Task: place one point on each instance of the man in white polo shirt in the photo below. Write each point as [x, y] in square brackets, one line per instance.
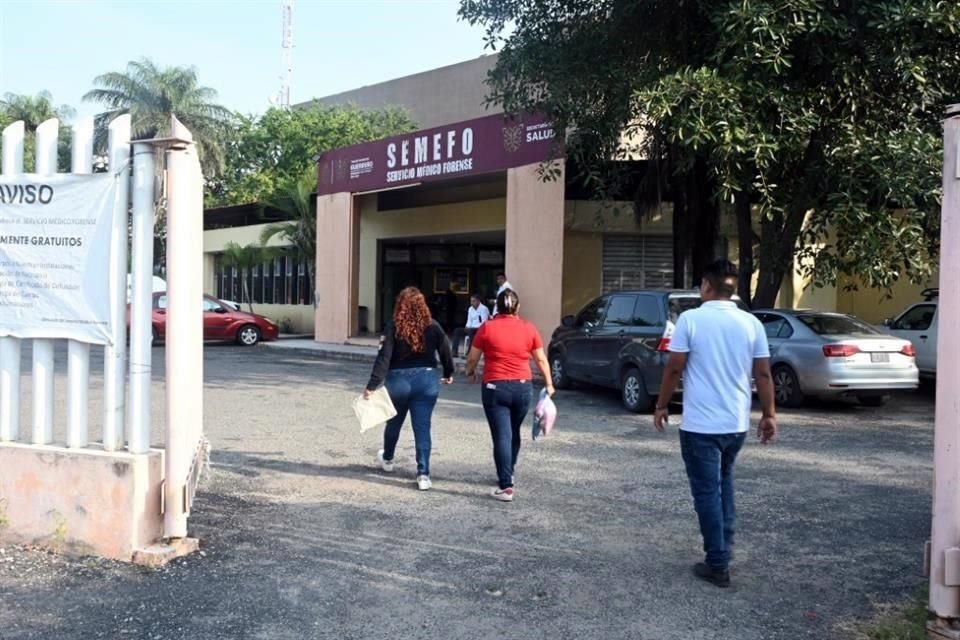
[477, 314]
[717, 349]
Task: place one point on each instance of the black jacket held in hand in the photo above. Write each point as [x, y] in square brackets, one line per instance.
[395, 353]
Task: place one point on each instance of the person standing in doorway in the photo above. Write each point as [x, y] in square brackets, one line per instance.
[717, 349]
[502, 285]
[407, 365]
[507, 343]
[477, 314]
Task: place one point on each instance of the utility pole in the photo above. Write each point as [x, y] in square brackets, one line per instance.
[944, 553]
[286, 55]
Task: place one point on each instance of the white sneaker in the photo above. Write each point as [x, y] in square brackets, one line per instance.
[423, 483]
[386, 465]
[503, 495]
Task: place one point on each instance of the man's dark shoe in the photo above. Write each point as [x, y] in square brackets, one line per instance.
[717, 577]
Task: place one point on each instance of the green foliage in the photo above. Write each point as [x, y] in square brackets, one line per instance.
[266, 154]
[152, 94]
[823, 113]
[34, 111]
[294, 198]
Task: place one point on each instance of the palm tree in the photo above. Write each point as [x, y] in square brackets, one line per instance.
[33, 110]
[151, 94]
[244, 259]
[295, 199]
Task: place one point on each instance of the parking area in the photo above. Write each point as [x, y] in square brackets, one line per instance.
[303, 538]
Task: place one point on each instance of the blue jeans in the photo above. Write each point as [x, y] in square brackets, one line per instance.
[506, 405]
[416, 391]
[709, 460]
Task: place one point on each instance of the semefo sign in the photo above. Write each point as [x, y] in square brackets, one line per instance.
[484, 145]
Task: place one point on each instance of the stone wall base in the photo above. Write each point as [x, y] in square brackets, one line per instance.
[85, 501]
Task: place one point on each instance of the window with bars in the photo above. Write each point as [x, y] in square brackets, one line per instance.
[284, 280]
[637, 262]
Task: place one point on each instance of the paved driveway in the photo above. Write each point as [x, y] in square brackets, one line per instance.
[302, 538]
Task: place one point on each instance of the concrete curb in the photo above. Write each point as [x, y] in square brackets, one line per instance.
[333, 352]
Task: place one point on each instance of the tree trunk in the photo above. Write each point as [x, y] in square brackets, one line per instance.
[778, 241]
[703, 217]
[244, 276]
[679, 239]
[745, 243]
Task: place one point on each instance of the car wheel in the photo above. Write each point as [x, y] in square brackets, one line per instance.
[248, 335]
[558, 371]
[872, 401]
[634, 392]
[786, 387]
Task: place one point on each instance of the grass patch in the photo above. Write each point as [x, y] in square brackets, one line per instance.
[904, 621]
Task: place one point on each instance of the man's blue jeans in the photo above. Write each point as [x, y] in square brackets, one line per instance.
[506, 403]
[709, 460]
[414, 391]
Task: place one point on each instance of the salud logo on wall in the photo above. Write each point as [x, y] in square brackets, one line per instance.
[54, 256]
[493, 143]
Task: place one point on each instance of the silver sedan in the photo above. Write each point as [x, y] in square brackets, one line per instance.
[814, 353]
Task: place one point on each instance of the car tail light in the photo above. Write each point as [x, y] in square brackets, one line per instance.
[909, 351]
[663, 345]
[840, 350]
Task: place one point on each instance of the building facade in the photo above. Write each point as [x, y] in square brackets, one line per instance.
[448, 207]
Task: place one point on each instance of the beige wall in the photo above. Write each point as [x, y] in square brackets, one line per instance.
[534, 244]
[337, 257]
[446, 219]
[440, 96]
[876, 305]
[582, 269]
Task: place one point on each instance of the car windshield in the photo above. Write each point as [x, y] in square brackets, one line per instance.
[831, 325]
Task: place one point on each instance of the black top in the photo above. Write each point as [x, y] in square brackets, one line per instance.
[395, 353]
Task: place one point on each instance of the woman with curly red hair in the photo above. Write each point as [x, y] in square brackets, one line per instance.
[407, 366]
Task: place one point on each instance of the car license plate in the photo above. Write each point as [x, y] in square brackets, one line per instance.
[879, 357]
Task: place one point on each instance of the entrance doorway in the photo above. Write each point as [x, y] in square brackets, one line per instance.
[447, 269]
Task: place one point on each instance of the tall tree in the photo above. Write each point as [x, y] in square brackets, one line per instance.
[34, 111]
[267, 153]
[151, 94]
[295, 199]
[582, 61]
[823, 115]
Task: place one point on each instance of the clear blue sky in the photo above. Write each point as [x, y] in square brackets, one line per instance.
[61, 45]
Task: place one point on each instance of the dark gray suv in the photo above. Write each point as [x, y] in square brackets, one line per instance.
[620, 341]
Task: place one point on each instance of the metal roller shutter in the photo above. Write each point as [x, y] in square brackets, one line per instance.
[637, 262]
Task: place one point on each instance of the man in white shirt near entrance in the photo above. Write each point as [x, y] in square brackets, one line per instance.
[502, 285]
[717, 349]
[477, 314]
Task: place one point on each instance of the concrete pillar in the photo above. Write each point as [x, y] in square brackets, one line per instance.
[534, 246]
[945, 537]
[337, 274]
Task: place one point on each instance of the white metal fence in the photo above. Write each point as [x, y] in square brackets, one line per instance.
[78, 353]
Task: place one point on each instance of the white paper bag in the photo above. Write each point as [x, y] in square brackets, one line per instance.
[374, 411]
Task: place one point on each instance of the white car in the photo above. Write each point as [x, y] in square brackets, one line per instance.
[918, 324]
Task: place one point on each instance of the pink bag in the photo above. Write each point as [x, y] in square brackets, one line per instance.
[544, 416]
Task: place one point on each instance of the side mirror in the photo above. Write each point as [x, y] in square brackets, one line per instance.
[568, 321]
[220, 310]
[887, 322]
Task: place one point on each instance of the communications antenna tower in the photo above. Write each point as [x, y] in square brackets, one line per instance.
[283, 99]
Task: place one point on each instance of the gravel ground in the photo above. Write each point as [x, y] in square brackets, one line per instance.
[302, 538]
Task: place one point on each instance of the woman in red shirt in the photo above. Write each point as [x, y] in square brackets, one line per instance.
[507, 343]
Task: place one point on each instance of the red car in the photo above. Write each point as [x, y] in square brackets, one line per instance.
[220, 322]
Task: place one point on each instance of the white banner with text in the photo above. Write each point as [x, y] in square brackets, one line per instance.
[55, 256]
